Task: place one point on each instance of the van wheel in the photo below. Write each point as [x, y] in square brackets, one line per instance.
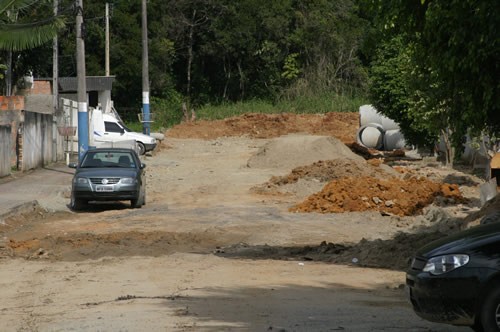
[490, 311]
[141, 148]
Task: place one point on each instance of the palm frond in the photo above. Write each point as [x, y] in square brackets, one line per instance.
[6, 5]
[19, 37]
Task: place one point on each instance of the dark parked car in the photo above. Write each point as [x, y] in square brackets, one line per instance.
[456, 280]
[108, 174]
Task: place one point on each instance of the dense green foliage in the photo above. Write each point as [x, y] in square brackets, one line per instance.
[219, 51]
[440, 74]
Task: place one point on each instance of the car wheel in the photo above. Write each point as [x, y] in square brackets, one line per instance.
[490, 218]
[139, 202]
[490, 311]
[141, 148]
[76, 204]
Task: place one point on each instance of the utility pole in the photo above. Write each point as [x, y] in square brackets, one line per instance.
[107, 40]
[145, 71]
[55, 80]
[83, 119]
[55, 68]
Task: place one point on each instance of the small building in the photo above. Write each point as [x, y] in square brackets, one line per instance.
[29, 120]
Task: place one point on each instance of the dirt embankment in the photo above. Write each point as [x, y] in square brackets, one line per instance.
[340, 125]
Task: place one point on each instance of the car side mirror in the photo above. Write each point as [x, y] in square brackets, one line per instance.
[142, 166]
[72, 165]
[122, 131]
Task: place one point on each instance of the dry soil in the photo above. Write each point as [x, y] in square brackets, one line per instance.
[254, 223]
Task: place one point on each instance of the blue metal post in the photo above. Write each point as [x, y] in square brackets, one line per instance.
[83, 119]
[145, 113]
[83, 130]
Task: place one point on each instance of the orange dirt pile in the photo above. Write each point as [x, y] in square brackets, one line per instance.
[403, 197]
[340, 125]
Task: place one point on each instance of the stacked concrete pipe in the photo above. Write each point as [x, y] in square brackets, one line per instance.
[377, 131]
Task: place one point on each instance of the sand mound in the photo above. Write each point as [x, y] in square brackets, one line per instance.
[292, 151]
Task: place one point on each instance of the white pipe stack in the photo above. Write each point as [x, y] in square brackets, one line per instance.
[378, 131]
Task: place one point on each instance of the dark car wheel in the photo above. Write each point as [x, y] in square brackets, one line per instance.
[490, 312]
[139, 202]
[136, 203]
[77, 204]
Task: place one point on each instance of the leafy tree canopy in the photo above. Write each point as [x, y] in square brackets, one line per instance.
[451, 74]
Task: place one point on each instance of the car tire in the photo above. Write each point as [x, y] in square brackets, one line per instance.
[135, 203]
[141, 149]
[139, 202]
[490, 311]
[491, 218]
[76, 204]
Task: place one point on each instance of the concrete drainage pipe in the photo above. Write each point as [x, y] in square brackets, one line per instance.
[394, 140]
[371, 136]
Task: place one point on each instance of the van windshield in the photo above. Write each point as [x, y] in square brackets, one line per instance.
[125, 127]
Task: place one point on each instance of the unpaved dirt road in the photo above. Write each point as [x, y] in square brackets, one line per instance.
[208, 252]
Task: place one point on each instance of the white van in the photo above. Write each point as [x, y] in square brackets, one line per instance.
[109, 128]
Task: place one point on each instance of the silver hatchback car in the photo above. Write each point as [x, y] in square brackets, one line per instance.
[108, 174]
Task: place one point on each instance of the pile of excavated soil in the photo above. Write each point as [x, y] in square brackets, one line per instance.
[292, 151]
[306, 180]
[393, 196]
[340, 125]
[328, 170]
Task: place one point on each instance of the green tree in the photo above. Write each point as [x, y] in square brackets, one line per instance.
[453, 87]
[328, 35]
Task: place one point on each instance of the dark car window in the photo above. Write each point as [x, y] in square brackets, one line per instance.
[112, 127]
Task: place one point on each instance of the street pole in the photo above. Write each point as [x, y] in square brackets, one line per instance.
[83, 120]
[107, 40]
[55, 68]
[55, 78]
[145, 71]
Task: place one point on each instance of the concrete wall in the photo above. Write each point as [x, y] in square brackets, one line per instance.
[39, 104]
[11, 114]
[5, 150]
[37, 140]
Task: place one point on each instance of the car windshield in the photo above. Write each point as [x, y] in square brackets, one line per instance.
[108, 159]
